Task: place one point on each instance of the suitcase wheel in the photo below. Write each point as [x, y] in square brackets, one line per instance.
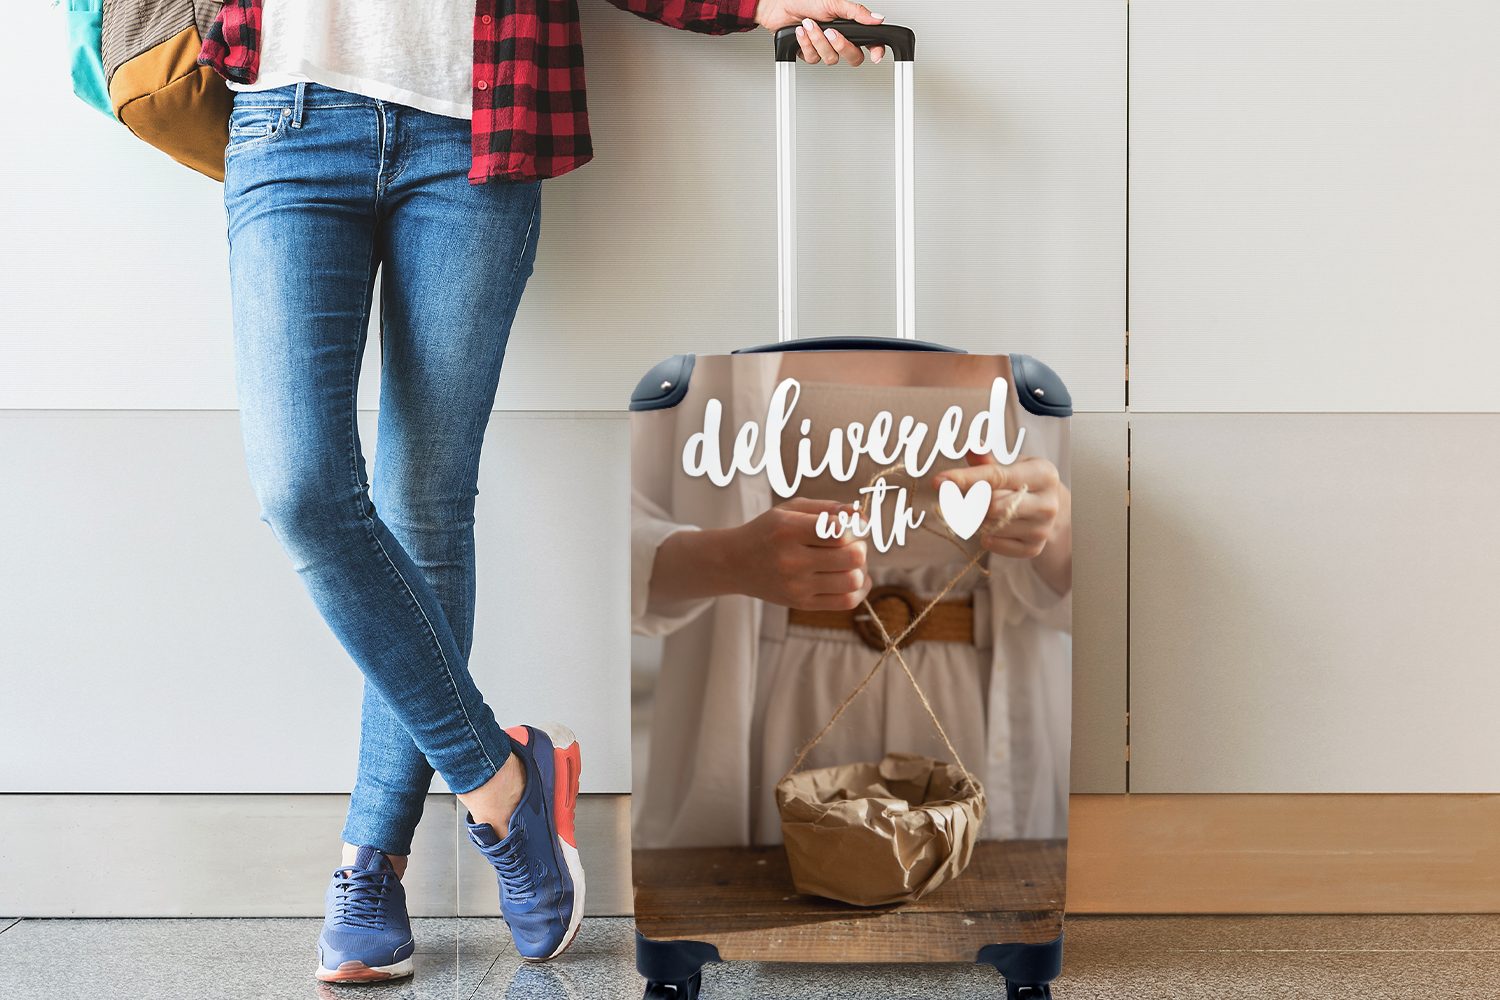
[683, 989]
[1017, 991]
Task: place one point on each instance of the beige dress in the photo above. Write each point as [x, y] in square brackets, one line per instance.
[806, 672]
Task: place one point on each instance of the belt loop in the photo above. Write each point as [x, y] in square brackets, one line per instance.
[297, 104]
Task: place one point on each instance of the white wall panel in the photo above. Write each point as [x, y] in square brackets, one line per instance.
[1314, 219]
[1100, 573]
[155, 637]
[112, 257]
[158, 847]
[1313, 603]
[198, 855]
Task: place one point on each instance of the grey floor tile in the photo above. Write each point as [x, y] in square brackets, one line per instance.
[6, 922]
[229, 959]
[599, 965]
[851, 982]
[1108, 958]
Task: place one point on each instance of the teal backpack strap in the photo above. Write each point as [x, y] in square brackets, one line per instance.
[85, 22]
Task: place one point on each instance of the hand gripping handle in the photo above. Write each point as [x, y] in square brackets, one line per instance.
[900, 42]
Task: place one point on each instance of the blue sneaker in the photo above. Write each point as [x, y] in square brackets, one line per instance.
[540, 875]
[366, 932]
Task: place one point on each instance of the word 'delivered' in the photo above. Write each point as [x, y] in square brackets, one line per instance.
[885, 440]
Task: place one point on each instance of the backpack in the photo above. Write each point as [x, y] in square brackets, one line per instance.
[136, 61]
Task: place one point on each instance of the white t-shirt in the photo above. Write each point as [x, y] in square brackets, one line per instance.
[418, 52]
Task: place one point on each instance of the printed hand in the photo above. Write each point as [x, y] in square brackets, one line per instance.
[781, 559]
[819, 46]
[1042, 529]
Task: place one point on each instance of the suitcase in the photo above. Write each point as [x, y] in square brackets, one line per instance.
[851, 727]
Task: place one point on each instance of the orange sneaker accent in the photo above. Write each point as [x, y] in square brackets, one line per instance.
[566, 763]
[520, 734]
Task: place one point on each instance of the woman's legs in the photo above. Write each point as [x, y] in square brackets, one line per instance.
[307, 190]
[455, 259]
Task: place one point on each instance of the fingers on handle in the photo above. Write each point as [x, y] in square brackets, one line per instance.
[826, 52]
[847, 50]
[857, 12]
[806, 51]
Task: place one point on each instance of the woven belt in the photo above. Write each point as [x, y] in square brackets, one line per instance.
[948, 621]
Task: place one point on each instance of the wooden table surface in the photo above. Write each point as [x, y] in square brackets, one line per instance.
[741, 900]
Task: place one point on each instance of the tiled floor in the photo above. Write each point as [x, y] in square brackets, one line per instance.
[1113, 958]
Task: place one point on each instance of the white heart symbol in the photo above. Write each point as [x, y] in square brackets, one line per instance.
[964, 512]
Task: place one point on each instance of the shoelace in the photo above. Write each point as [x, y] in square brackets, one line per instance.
[361, 897]
[515, 873]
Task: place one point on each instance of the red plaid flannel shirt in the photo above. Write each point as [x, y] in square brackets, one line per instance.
[530, 119]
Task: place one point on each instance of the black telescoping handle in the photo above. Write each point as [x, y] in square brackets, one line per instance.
[900, 42]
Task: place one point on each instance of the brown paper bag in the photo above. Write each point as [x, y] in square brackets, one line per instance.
[875, 834]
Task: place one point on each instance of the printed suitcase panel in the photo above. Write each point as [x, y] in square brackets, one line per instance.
[852, 686]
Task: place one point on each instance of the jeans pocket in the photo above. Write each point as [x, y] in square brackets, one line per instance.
[255, 126]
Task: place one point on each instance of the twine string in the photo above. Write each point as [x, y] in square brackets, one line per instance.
[892, 646]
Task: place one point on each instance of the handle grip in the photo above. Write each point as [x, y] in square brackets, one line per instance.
[899, 41]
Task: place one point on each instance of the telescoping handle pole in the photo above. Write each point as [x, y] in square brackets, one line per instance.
[900, 44]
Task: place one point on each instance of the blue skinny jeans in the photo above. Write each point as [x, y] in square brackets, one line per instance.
[321, 187]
